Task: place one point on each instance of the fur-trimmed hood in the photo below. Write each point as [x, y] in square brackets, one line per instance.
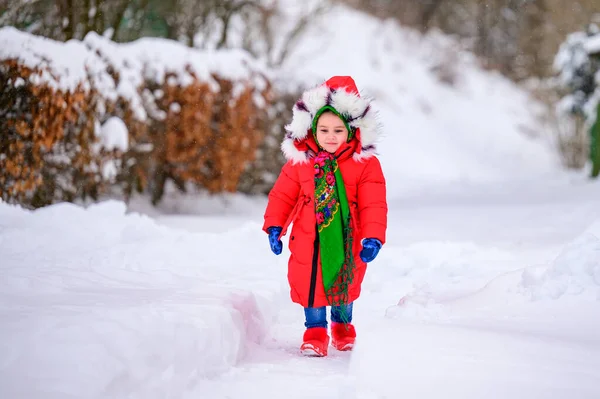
[341, 93]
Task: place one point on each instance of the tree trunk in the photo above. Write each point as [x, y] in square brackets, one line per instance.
[86, 21]
[116, 23]
[429, 13]
[69, 30]
[482, 30]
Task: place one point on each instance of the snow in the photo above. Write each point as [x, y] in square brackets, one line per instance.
[481, 128]
[114, 135]
[488, 285]
[573, 63]
[65, 61]
[571, 56]
[592, 45]
[96, 302]
[105, 301]
[576, 271]
[119, 70]
[465, 361]
[155, 58]
[447, 120]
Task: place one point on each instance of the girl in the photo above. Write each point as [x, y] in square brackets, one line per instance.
[333, 190]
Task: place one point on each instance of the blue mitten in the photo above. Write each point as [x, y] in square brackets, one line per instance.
[274, 241]
[370, 249]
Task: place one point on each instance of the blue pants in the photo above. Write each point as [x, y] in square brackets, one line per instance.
[317, 317]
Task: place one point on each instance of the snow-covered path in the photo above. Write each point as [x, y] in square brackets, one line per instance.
[467, 328]
[479, 289]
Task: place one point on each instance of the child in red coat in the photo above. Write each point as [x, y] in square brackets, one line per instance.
[332, 190]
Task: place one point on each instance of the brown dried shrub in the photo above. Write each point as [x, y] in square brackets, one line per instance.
[236, 138]
[205, 137]
[179, 139]
[46, 142]
[194, 134]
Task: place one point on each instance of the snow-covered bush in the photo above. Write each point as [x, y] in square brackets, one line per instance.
[192, 117]
[577, 70]
[578, 65]
[47, 139]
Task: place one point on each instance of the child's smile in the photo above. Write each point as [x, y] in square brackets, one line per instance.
[331, 132]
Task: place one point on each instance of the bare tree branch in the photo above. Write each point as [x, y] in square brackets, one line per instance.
[295, 33]
[9, 13]
[229, 11]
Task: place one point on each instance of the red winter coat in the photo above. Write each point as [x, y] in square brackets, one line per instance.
[291, 201]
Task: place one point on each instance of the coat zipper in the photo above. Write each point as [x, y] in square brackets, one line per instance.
[313, 274]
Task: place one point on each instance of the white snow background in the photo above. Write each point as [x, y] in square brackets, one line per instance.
[489, 285]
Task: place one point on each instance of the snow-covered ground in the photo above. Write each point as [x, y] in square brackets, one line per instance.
[489, 285]
[474, 294]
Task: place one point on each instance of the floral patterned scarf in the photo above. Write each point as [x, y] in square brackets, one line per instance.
[334, 228]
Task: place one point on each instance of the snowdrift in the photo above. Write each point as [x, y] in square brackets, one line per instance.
[447, 121]
[95, 302]
[575, 272]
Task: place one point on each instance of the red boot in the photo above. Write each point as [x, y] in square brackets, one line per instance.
[315, 342]
[342, 336]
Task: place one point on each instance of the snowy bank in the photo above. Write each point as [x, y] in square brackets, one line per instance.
[493, 341]
[447, 121]
[95, 302]
[576, 270]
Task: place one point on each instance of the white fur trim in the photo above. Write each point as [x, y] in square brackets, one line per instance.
[364, 155]
[315, 99]
[291, 153]
[370, 128]
[350, 104]
[298, 127]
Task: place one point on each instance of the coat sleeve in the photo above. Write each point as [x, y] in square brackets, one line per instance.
[282, 197]
[372, 202]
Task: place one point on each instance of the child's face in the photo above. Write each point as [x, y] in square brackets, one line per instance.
[331, 132]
